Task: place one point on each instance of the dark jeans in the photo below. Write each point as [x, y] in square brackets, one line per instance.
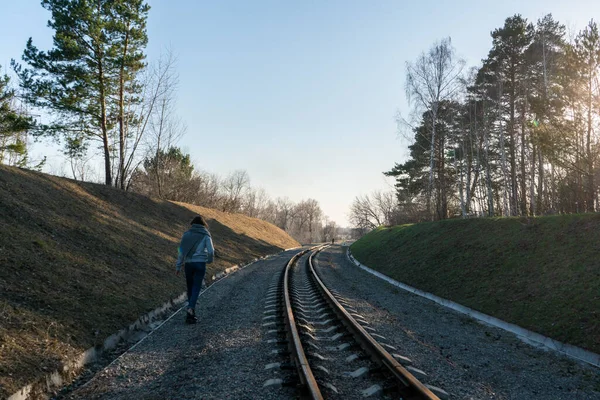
[194, 274]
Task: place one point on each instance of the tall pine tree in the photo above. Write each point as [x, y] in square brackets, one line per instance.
[12, 126]
[98, 48]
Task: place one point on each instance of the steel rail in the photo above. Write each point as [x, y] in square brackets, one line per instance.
[307, 379]
[409, 387]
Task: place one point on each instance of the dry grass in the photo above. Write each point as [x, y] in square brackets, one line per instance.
[80, 261]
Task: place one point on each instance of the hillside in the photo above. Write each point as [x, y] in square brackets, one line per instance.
[540, 273]
[80, 261]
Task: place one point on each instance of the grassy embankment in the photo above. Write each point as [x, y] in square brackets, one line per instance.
[540, 273]
[80, 261]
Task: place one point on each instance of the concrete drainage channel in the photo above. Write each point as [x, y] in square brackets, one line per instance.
[527, 336]
[332, 348]
[128, 337]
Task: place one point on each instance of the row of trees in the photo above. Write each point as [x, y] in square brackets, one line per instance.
[518, 135]
[170, 174]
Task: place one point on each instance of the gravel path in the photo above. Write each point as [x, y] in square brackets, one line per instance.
[467, 359]
[222, 357]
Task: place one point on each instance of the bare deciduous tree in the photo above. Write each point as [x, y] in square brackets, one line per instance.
[152, 121]
[255, 202]
[209, 190]
[364, 214]
[367, 212]
[314, 215]
[164, 127]
[80, 167]
[269, 212]
[234, 187]
[306, 221]
[285, 212]
[431, 80]
[329, 230]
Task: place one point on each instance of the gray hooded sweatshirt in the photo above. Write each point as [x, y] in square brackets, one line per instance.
[196, 246]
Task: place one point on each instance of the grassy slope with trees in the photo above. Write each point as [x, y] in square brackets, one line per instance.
[516, 135]
[540, 273]
[79, 261]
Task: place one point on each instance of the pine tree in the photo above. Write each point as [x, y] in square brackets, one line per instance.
[546, 72]
[97, 51]
[12, 126]
[507, 60]
[129, 38]
[175, 169]
[587, 48]
[412, 177]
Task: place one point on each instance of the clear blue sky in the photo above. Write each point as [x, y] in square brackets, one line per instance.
[301, 94]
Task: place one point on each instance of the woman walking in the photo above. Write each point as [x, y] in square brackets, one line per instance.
[195, 251]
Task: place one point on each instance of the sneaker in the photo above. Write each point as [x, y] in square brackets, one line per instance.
[190, 318]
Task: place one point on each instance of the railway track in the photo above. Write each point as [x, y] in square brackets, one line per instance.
[325, 339]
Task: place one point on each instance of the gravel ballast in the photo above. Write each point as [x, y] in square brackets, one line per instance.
[225, 354]
[333, 370]
[467, 359]
[221, 357]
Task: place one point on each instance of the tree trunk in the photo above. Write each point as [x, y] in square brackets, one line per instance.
[488, 176]
[469, 168]
[463, 208]
[103, 124]
[103, 95]
[579, 191]
[532, 200]
[513, 157]
[472, 129]
[432, 158]
[506, 195]
[523, 167]
[122, 132]
[443, 212]
[541, 189]
[475, 180]
[590, 160]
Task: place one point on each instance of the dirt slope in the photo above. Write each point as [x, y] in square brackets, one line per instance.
[540, 273]
[80, 261]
